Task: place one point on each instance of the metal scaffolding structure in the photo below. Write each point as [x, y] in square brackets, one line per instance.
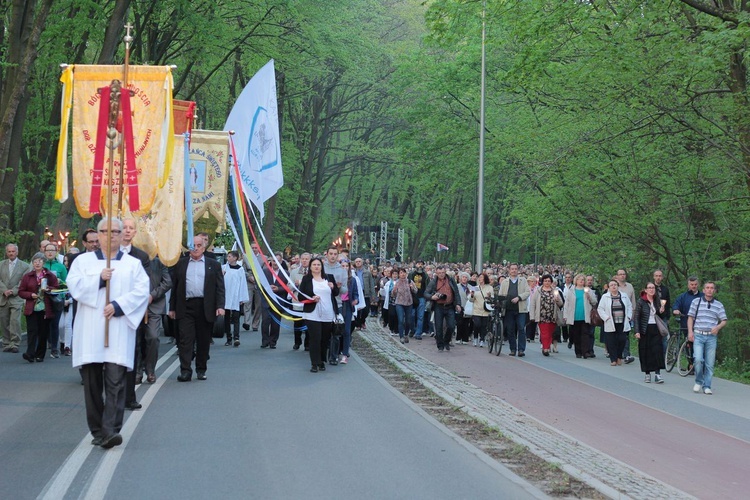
[400, 244]
[373, 240]
[355, 241]
[383, 239]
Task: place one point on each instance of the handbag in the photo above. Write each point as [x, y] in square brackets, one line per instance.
[469, 308]
[661, 325]
[57, 300]
[487, 307]
[596, 320]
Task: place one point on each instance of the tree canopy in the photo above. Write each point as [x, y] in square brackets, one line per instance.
[618, 131]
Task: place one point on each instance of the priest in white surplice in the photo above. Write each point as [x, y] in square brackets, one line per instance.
[103, 368]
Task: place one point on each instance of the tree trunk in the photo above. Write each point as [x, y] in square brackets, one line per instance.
[112, 34]
[12, 108]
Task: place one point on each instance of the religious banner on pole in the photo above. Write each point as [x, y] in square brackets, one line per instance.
[257, 146]
[208, 174]
[160, 231]
[146, 125]
[184, 116]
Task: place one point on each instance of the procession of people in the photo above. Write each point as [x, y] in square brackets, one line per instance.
[112, 304]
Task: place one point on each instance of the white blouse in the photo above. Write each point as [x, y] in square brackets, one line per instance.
[323, 311]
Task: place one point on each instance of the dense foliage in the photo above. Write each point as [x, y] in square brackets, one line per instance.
[618, 132]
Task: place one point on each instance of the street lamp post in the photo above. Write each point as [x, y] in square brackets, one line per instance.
[480, 186]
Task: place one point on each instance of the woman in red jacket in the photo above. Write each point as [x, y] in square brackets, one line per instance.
[34, 287]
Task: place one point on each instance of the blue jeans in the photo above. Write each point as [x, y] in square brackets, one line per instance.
[404, 319]
[704, 351]
[348, 313]
[419, 311]
[515, 329]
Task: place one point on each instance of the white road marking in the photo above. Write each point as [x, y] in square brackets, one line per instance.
[58, 485]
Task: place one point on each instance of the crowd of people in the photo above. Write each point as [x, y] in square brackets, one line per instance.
[68, 299]
[556, 306]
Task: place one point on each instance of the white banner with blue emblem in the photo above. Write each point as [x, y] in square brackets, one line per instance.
[255, 122]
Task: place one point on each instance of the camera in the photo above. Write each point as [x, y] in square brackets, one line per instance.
[441, 296]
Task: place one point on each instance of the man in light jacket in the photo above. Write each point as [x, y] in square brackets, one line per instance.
[517, 310]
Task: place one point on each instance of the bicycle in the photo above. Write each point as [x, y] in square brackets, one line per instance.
[497, 329]
[685, 359]
[680, 353]
[673, 350]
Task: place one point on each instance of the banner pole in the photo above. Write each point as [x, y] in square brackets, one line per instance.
[117, 88]
[126, 66]
[114, 109]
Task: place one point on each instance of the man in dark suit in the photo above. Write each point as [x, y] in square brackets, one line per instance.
[197, 298]
[126, 246]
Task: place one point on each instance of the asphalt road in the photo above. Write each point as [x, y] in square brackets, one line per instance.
[261, 426]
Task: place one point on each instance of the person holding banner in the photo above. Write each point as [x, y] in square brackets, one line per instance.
[252, 313]
[104, 332]
[197, 298]
[270, 328]
[296, 276]
[319, 311]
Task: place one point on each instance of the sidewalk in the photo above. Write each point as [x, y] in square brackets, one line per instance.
[589, 417]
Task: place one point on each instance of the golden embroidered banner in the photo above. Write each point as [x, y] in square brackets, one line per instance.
[208, 174]
[153, 125]
[160, 231]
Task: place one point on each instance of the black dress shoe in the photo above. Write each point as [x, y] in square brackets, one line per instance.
[272, 346]
[184, 377]
[228, 343]
[28, 358]
[263, 346]
[202, 376]
[521, 354]
[133, 405]
[245, 326]
[314, 369]
[322, 367]
[111, 441]
[97, 441]
[39, 360]
[295, 347]
[236, 342]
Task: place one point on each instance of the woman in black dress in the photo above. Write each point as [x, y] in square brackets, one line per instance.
[650, 347]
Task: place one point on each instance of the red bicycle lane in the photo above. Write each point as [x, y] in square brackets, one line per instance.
[613, 411]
